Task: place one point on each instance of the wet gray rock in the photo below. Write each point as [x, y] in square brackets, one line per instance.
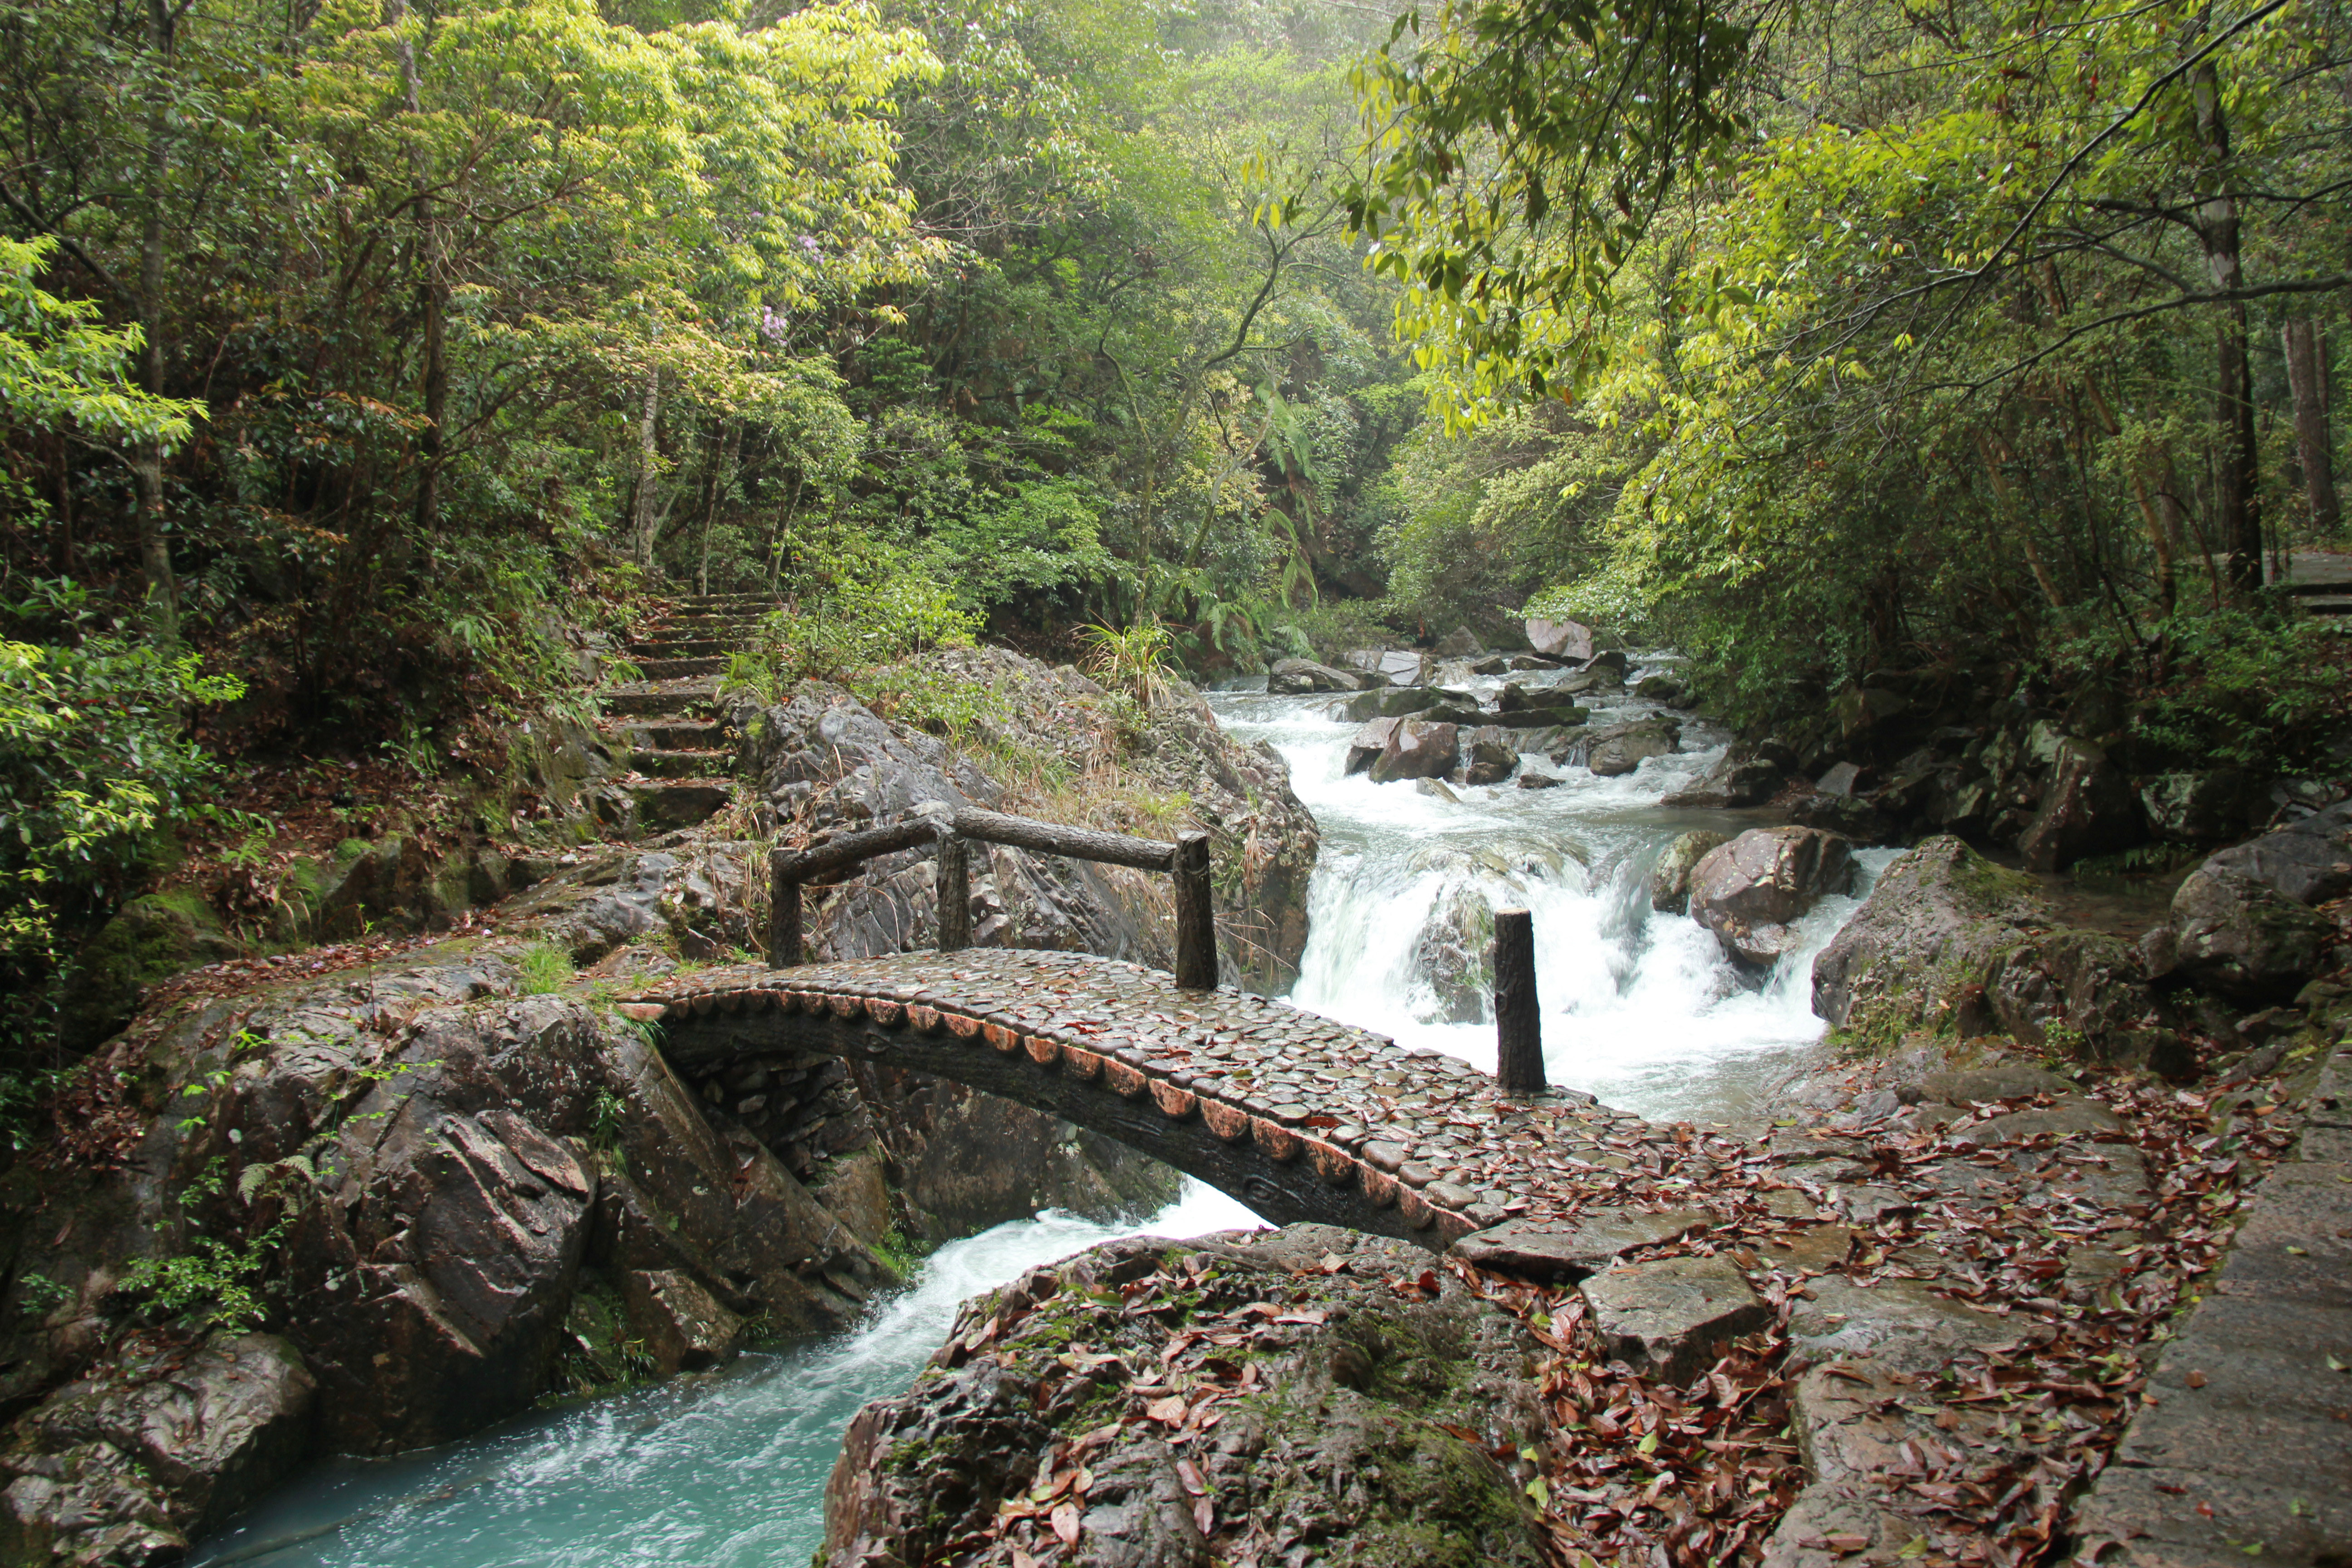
[1417, 749]
[1850, 816]
[1669, 1320]
[1453, 957]
[1621, 748]
[2091, 983]
[1350, 1432]
[2087, 808]
[1573, 1250]
[1658, 688]
[1916, 952]
[1436, 790]
[1488, 757]
[2239, 936]
[2070, 1115]
[1747, 891]
[132, 1468]
[1670, 879]
[1611, 661]
[2309, 862]
[1365, 746]
[1299, 676]
[2008, 1081]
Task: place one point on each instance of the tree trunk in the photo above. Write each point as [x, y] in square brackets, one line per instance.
[2307, 380]
[147, 456]
[431, 302]
[641, 529]
[2237, 468]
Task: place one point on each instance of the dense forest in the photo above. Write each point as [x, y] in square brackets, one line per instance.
[362, 365]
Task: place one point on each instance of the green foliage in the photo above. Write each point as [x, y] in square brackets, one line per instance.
[543, 970]
[857, 603]
[60, 370]
[93, 767]
[1133, 659]
[215, 1283]
[2259, 692]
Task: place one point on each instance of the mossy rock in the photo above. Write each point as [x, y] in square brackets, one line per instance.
[149, 940]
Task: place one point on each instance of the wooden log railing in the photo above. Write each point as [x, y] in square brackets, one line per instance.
[1186, 859]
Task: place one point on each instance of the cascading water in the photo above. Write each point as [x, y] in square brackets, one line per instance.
[728, 1469]
[1639, 1008]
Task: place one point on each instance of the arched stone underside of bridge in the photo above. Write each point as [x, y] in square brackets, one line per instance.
[1298, 1117]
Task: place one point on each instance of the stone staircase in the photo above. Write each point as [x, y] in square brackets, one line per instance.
[665, 726]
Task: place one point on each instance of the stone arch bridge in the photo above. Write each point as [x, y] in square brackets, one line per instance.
[1297, 1116]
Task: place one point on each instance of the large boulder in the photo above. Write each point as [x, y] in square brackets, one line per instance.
[1046, 1388]
[2084, 989]
[1488, 756]
[1670, 879]
[1851, 816]
[1916, 955]
[2309, 862]
[1417, 749]
[1560, 639]
[1749, 892]
[1298, 677]
[825, 761]
[2087, 808]
[2241, 936]
[1619, 749]
[132, 1468]
[1396, 666]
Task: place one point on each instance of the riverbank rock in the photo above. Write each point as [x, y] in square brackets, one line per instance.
[1057, 1426]
[1670, 879]
[1364, 747]
[827, 763]
[1299, 676]
[2309, 862]
[2240, 936]
[1911, 957]
[1417, 749]
[1747, 891]
[131, 1469]
[1669, 1320]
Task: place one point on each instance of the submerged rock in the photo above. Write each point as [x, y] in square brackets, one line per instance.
[1748, 890]
[1453, 957]
[1354, 1419]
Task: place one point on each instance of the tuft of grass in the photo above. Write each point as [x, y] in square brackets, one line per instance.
[543, 968]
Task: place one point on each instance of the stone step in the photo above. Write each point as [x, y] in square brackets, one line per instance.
[656, 704]
[734, 626]
[691, 647]
[681, 804]
[683, 765]
[671, 668]
[705, 736]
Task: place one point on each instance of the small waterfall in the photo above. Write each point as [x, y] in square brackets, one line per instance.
[1639, 1008]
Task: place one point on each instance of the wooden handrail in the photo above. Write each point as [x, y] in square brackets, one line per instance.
[1186, 859]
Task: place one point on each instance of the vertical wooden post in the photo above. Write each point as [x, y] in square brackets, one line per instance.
[1519, 1032]
[955, 893]
[783, 910]
[1196, 916]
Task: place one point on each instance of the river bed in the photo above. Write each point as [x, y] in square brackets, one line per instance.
[727, 1469]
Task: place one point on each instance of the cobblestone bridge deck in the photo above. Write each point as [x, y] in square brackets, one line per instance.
[1299, 1117]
